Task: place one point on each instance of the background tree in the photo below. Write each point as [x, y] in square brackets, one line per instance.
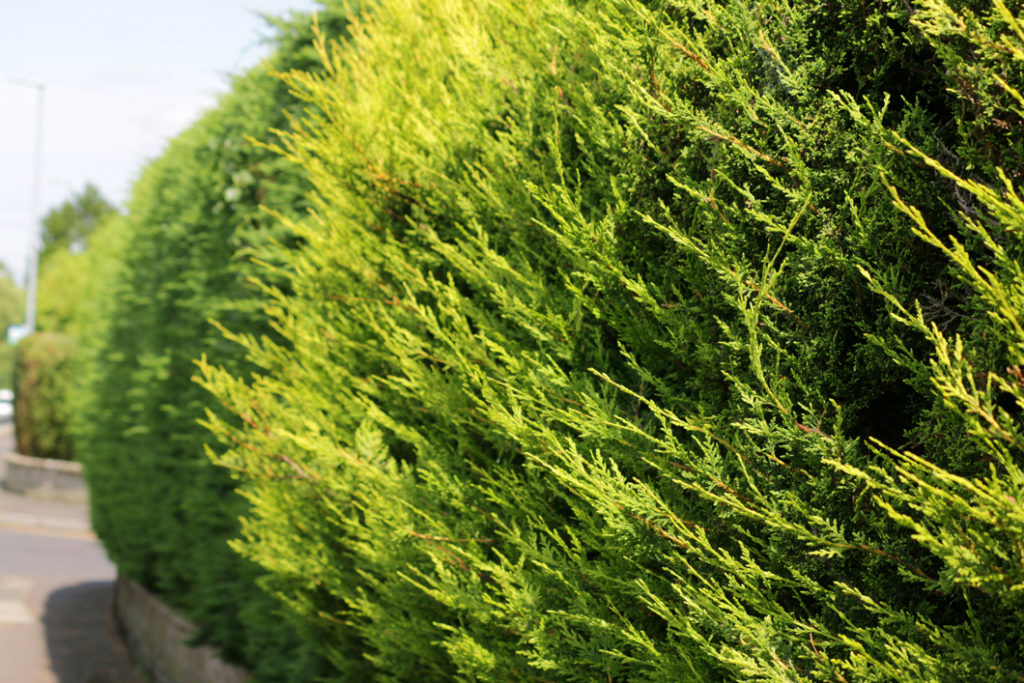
[68, 226]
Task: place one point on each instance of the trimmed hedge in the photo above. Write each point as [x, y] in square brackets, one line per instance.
[593, 340]
[648, 341]
[42, 377]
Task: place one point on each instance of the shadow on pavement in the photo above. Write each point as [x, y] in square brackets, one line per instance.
[82, 638]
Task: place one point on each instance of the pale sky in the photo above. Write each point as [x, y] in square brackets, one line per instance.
[121, 77]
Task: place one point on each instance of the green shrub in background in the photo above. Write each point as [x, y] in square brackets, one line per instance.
[648, 341]
[68, 228]
[41, 380]
[195, 219]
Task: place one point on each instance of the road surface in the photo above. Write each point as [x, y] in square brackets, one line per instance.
[56, 587]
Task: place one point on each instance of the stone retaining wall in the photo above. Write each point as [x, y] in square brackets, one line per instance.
[44, 478]
[158, 638]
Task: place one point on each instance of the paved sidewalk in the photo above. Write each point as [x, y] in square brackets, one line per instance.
[56, 590]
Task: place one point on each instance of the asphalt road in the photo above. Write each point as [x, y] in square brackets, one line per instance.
[56, 589]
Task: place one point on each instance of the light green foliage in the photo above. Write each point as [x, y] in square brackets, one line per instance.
[598, 356]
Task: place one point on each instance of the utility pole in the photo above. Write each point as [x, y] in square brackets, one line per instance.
[33, 251]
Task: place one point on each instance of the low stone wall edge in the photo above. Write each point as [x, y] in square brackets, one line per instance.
[158, 637]
[44, 478]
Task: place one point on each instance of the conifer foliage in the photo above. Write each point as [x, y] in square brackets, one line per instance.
[649, 341]
[625, 340]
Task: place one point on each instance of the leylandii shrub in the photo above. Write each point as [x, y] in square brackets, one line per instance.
[622, 344]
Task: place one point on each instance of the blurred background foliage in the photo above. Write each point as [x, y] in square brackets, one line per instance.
[68, 227]
[70, 263]
[42, 375]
